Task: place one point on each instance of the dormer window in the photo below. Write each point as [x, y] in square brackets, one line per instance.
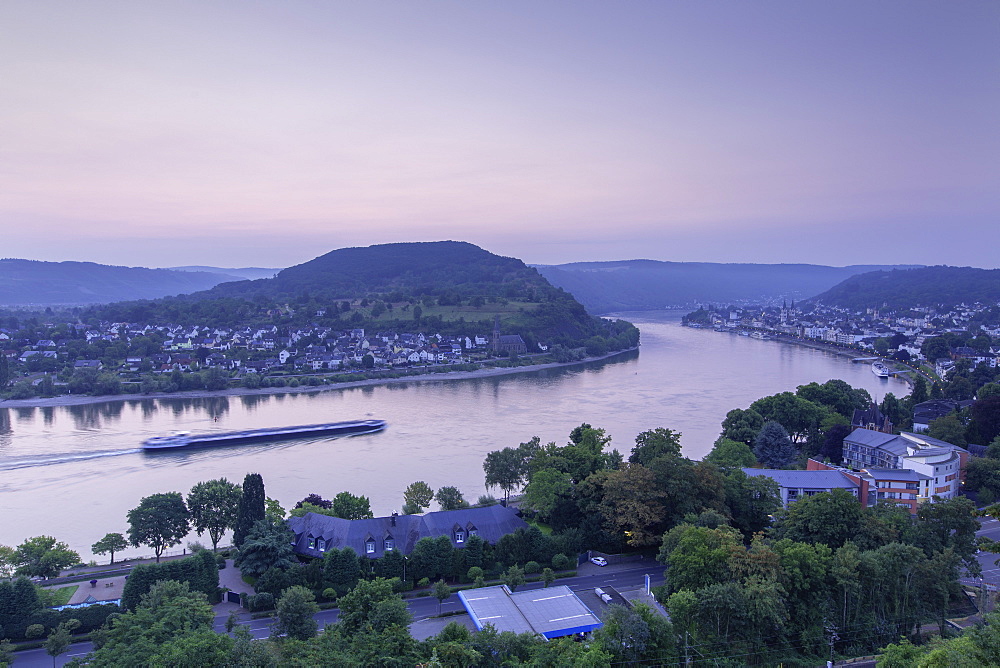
[369, 546]
[312, 543]
[389, 545]
[459, 536]
[321, 545]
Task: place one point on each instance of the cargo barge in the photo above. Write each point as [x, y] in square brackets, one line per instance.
[185, 439]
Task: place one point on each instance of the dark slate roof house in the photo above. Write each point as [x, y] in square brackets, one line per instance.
[315, 534]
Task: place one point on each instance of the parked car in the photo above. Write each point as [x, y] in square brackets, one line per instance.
[600, 561]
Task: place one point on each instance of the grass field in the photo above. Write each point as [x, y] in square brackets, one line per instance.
[62, 595]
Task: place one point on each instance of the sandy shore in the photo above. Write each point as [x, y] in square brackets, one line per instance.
[80, 400]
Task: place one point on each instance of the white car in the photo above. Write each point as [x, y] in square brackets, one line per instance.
[599, 561]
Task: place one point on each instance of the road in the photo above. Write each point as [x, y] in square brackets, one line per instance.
[624, 576]
[987, 560]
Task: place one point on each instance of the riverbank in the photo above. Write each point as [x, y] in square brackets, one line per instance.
[852, 353]
[80, 400]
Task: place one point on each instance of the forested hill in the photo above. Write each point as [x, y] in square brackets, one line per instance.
[927, 286]
[447, 287]
[651, 284]
[434, 268]
[31, 282]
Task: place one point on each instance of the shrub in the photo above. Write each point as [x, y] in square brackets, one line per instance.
[260, 602]
[221, 561]
[560, 562]
[532, 567]
[424, 582]
[34, 631]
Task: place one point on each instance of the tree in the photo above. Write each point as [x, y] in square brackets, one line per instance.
[268, 545]
[350, 507]
[213, 506]
[417, 497]
[795, 414]
[43, 556]
[833, 442]
[831, 518]
[632, 505]
[505, 469]
[372, 606]
[441, 592]
[513, 577]
[773, 447]
[4, 372]
[295, 609]
[919, 393]
[251, 508]
[59, 638]
[111, 543]
[273, 512]
[341, 570]
[546, 489]
[548, 576]
[655, 443]
[159, 521]
[450, 498]
[7, 561]
[742, 425]
[948, 429]
[171, 626]
[728, 453]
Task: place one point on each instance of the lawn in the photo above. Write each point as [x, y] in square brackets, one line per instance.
[61, 595]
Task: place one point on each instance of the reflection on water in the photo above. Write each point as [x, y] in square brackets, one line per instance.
[439, 431]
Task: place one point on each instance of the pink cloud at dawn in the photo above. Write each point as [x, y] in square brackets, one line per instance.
[238, 134]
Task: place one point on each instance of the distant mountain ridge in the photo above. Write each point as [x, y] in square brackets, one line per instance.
[653, 284]
[234, 274]
[34, 282]
[926, 286]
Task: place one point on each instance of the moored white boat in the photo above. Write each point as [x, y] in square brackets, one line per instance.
[881, 370]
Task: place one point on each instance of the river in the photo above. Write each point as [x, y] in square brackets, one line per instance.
[73, 472]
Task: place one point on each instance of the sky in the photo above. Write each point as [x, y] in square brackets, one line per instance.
[266, 133]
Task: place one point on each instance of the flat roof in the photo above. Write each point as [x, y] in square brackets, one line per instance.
[551, 612]
[905, 475]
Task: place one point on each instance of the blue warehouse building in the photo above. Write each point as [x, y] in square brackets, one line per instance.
[552, 612]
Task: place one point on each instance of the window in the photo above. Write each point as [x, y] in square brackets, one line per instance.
[389, 545]
[473, 532]
[459, 536]
[312, 543]
[321, 545]
[369, 547]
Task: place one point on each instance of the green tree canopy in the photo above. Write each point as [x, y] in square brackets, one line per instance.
[251, 509]
[773, 447]
[654, 443]
[43, 556]
[351, 507]
[268, 545]
[728, 453]
[214, 507]
[742, 425]
[450, 498]
[418, 495]
[111, 543]
[295, 610]
[159, 521]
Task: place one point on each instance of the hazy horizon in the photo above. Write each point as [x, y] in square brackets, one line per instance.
[236, 135]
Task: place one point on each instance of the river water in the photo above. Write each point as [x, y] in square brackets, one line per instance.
[73, 472]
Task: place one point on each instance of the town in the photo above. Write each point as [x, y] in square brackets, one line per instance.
[45, 359]
[934, 340]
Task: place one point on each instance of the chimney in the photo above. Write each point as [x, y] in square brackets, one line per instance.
[392, 519]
